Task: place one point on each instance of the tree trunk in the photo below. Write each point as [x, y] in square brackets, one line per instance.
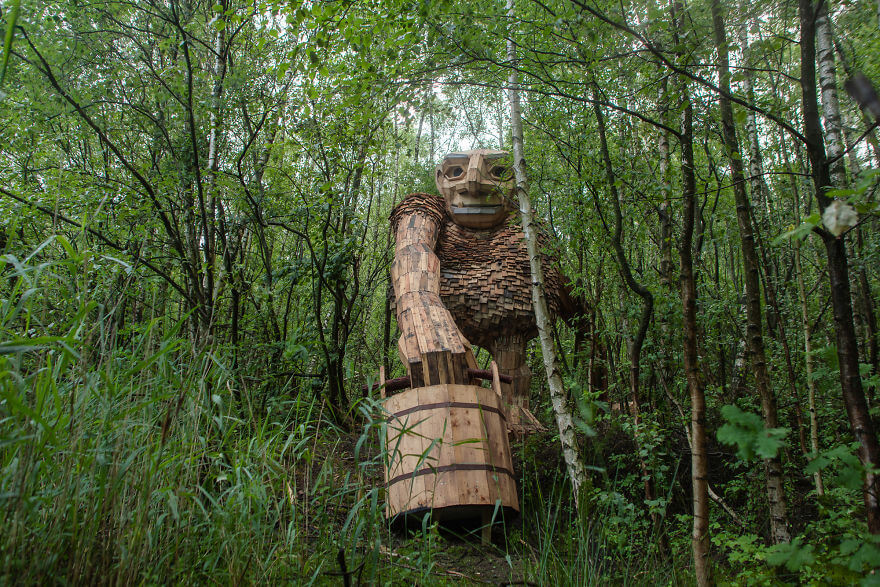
[756, 166]
[865, 296]
[808, 360]
[838, 273]
[635, 348]
[699, 454]
[760, 198]
[570, 450]
[867, 299]
[688, 290]
[665, 210]
[751, 270]
[830, 104]
[688, 284]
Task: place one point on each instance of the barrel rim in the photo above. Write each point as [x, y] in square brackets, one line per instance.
[434, 406]
[456, 513]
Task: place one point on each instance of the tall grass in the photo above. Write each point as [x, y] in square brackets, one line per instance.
[134, 463]
[131, 457]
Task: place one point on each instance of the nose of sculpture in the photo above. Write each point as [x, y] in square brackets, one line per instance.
[475, 174]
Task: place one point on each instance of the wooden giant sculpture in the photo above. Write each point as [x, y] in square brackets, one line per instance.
[461, 275]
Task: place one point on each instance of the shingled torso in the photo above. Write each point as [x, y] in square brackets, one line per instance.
[485, 278]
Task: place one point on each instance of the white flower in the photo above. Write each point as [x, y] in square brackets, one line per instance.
[838, 217]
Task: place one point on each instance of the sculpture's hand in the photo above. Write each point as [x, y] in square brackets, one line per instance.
[431, 345]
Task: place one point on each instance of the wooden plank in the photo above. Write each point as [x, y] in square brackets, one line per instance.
[397, 446]
[486, 533]
[400, 443]
[419, 496]
[460, 490]
[473, 483]
[432, 438]
[473, 488]
[445, 493]
[496, 381]
[453, 375]
[432, 369]
[502, 486]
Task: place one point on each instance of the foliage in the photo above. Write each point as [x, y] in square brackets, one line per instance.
[746, 431]
[829, 550]
[7, 42]
[193, 286]
[850, 470]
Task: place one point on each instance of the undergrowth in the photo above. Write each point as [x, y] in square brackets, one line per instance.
[129, 455]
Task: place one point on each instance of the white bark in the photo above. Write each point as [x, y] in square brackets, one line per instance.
[756, 168]
[830, 104]
[564, 421]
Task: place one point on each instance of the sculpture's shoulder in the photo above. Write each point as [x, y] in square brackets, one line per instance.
[429, 205]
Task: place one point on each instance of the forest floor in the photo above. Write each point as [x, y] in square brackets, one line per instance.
[462, 558]
[453, 553]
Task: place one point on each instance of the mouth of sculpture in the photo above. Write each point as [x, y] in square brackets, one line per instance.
[480, 209]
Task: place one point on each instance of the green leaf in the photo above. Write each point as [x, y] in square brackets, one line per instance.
[768, 443]
[793, 555]
[867, 556]
[746, 431]
[817, 464]
[840, 193]
[282, 69]
[850, 477]
[849, 546]
[851, 471]
[829, 355]
[24, 345]
[801, 232]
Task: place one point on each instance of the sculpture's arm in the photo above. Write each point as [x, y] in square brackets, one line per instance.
[431, 346]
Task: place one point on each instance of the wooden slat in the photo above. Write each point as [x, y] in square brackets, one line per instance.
[470, 438]
[496, 379]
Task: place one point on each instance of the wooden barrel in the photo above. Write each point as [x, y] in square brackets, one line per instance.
[447, 452]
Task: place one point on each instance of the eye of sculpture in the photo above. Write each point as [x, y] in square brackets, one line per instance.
[500, 172]
[454, 172]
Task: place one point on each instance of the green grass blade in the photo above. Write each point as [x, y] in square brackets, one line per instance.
[7, 40]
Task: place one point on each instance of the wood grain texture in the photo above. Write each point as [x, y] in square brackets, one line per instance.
[454, 285]
[447, 447]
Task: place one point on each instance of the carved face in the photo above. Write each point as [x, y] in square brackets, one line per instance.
[477, 186]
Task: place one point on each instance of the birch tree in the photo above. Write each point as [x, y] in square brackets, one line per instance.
[838, 273]
[688, 284]
[751, 268]
[564, 421]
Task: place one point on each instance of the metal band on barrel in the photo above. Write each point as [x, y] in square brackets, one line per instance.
[447, 468]
[422, 407]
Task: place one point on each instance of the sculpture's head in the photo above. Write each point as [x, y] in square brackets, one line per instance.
[478, 187]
